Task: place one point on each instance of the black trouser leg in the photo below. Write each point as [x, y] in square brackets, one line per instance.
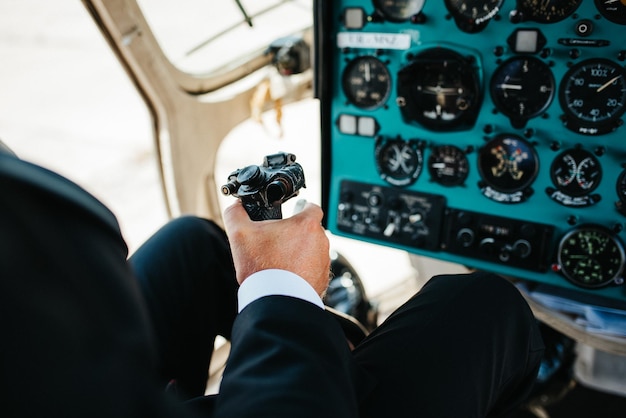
[187, 278]
[464, 346]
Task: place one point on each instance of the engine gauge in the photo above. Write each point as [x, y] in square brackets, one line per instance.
[591, 256]
[399, 162]
[620, 187]
[399, 10]
[508, 164]
[439, 89]
[366, 82]
[613, 10]
[593, 96]
[522, 88]
[473, 15]
[448, 165]
[546, 11]
[576, 172]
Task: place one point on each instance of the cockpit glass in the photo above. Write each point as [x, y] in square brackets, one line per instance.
[206, 37]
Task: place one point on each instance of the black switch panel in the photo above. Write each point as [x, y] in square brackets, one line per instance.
[500, 240]
[391, 215]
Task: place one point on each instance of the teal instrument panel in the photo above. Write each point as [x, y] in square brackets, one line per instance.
[486, 133]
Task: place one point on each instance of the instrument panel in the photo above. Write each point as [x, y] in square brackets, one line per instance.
[483, 132]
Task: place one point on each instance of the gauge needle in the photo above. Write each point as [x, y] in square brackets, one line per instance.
[367, 72]
[510, 86]
[608, 83]
[441, 90]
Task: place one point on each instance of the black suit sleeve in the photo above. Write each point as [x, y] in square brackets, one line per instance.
[288, 359]
[74, 332]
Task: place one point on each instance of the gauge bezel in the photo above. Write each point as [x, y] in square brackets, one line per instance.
[539, 69]
[461, 168]
[433, 61]
[611, 16]
[347, 86]
[473, 23]
[620, 189]
[582, 125]
[486, 177]
[398, 17]
[588, 228]
[415, 146]
[587, 155]
[529, 12]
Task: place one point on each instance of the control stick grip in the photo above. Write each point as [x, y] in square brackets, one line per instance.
[263, 189]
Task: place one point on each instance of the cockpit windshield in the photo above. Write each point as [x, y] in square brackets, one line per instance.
[206, 37]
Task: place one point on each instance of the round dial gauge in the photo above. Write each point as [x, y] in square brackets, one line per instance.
[593, 96]
[621, 190]
[576, 172]
[591, 256]
[399, 162]
[439, 89]
[613, 10]
[508, 163]
[366, 82]
[398, 10]
[547, 11]
[522, 88]
[448, 165]
[473, 15]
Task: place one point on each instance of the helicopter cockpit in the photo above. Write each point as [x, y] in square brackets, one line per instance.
[453, 135]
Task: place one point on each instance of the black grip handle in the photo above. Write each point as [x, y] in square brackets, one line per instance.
[261, 213]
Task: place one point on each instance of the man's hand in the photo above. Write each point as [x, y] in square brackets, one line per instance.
[297, 244]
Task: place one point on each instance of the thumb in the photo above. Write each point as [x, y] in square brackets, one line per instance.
[235, 215]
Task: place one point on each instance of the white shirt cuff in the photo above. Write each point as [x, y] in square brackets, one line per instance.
[276, 282]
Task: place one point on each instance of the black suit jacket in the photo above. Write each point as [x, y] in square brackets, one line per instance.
[74, 331]
[289, 358]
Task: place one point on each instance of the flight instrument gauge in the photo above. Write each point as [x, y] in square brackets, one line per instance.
[522, 88]
[545, 11]
[621, 192]
[440, 90]
[593, 96]
[508, 165]
[366, 82]
[575, 173]
[473, 15]
[398, 10]
[399, 162]
[448, 165]
[591, 256]
[613, 10]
